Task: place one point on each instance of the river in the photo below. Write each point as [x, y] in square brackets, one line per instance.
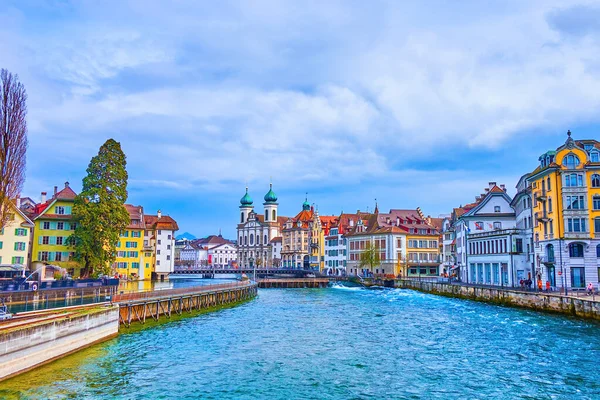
[335, 343]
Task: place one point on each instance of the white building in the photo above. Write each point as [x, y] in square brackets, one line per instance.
[494, 245]
[522, 204]
[255, 231]
[276, 244]
[161, 230]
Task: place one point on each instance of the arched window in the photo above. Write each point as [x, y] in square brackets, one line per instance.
[571, 161]
[596, 202]
[245, 240]
[266, 241]
[596, 181]
[274, 216]
[598, 251]
[242, 218]
[548, 183]
[597, 225]
[496, 208]
[576, 250]
[251, 239]
[549, 205]
[241, 239]
[266, 215]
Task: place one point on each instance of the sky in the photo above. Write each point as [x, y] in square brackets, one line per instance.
[413, 103]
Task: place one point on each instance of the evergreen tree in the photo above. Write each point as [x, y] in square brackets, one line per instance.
[99, 210]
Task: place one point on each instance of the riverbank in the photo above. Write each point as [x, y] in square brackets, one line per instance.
[540, 301]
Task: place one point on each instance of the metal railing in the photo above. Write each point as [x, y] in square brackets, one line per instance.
[153, 294]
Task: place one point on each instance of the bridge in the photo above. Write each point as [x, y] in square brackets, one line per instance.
[260, 272]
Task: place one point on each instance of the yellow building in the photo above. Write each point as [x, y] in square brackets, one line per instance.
[15, 240]
[566, 211]
[131, 260]
[54, 223]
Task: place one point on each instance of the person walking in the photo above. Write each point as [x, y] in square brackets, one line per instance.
[547, 286]
[590, 289]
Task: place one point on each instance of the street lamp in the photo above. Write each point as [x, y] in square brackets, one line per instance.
[253, 266]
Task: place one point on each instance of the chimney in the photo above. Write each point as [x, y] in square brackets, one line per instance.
[43, 197]
[66, 184]
[492, 184]
[487, 190]
[397, 221]
[18, 202]
[503, 187]
[55, 190]
[158, 214]
[477, 198]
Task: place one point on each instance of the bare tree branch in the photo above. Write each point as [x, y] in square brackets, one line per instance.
[13, 141]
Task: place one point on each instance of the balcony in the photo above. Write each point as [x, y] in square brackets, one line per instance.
[541, 195]
[496, 232]
[547, 259]
[548, 236]
[542, 217]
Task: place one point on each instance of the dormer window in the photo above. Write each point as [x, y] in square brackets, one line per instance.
[588, 147]
[497, 209]
[595, 156]
[571, 161]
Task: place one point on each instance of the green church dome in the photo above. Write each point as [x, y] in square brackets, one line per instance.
[306, 205]
[270, 197]
[246, 200]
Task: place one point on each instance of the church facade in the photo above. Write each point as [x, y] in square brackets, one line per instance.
[255, 232]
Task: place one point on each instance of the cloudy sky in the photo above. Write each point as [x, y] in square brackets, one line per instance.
[415, 103]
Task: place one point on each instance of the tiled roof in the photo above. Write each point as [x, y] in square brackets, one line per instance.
[66, 194]
[396, 221]
[277, 239]
[165, 222]
[136, 213]
[213, 239]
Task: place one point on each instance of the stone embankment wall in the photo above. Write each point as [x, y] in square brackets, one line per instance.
[26, 346]
[580, 307]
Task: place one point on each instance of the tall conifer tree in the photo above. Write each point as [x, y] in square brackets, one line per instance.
[99, 210]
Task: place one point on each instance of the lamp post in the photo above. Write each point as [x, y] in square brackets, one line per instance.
[253, 266]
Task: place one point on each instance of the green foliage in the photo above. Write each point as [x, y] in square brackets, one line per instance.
[99, 210]
[369, 258]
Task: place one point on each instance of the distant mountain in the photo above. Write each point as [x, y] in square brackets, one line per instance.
[185, 235]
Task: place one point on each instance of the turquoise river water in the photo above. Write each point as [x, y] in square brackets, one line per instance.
[336, 343]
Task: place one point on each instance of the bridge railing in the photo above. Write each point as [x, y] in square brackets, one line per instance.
[152, 294]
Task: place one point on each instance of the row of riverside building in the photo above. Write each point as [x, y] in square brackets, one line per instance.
[549, 232]
[36, 238]
[409, 242]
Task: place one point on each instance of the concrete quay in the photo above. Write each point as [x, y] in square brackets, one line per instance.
[34, 339]
[583, 307]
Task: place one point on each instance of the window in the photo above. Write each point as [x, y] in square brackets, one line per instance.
[549, 205]
[596, 201]
[595, 156]
[158, 241]
[497, 209]
[598, 251]
[571, 161]
[576, 250]
[20, 232]
[73, 226]
[548, 183]
[20, 246]
[596, 181]
[251, 239]
[519, 245]
[576, 225]
[168, 247]
[573, 180]
[18, 260]
[59, 240]
[59, 210]
[597, 225]
[46, 225]
[575, 203]
[168, 257]
[479, 226]
[45, 239]
[497, 225]
[274, 216]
